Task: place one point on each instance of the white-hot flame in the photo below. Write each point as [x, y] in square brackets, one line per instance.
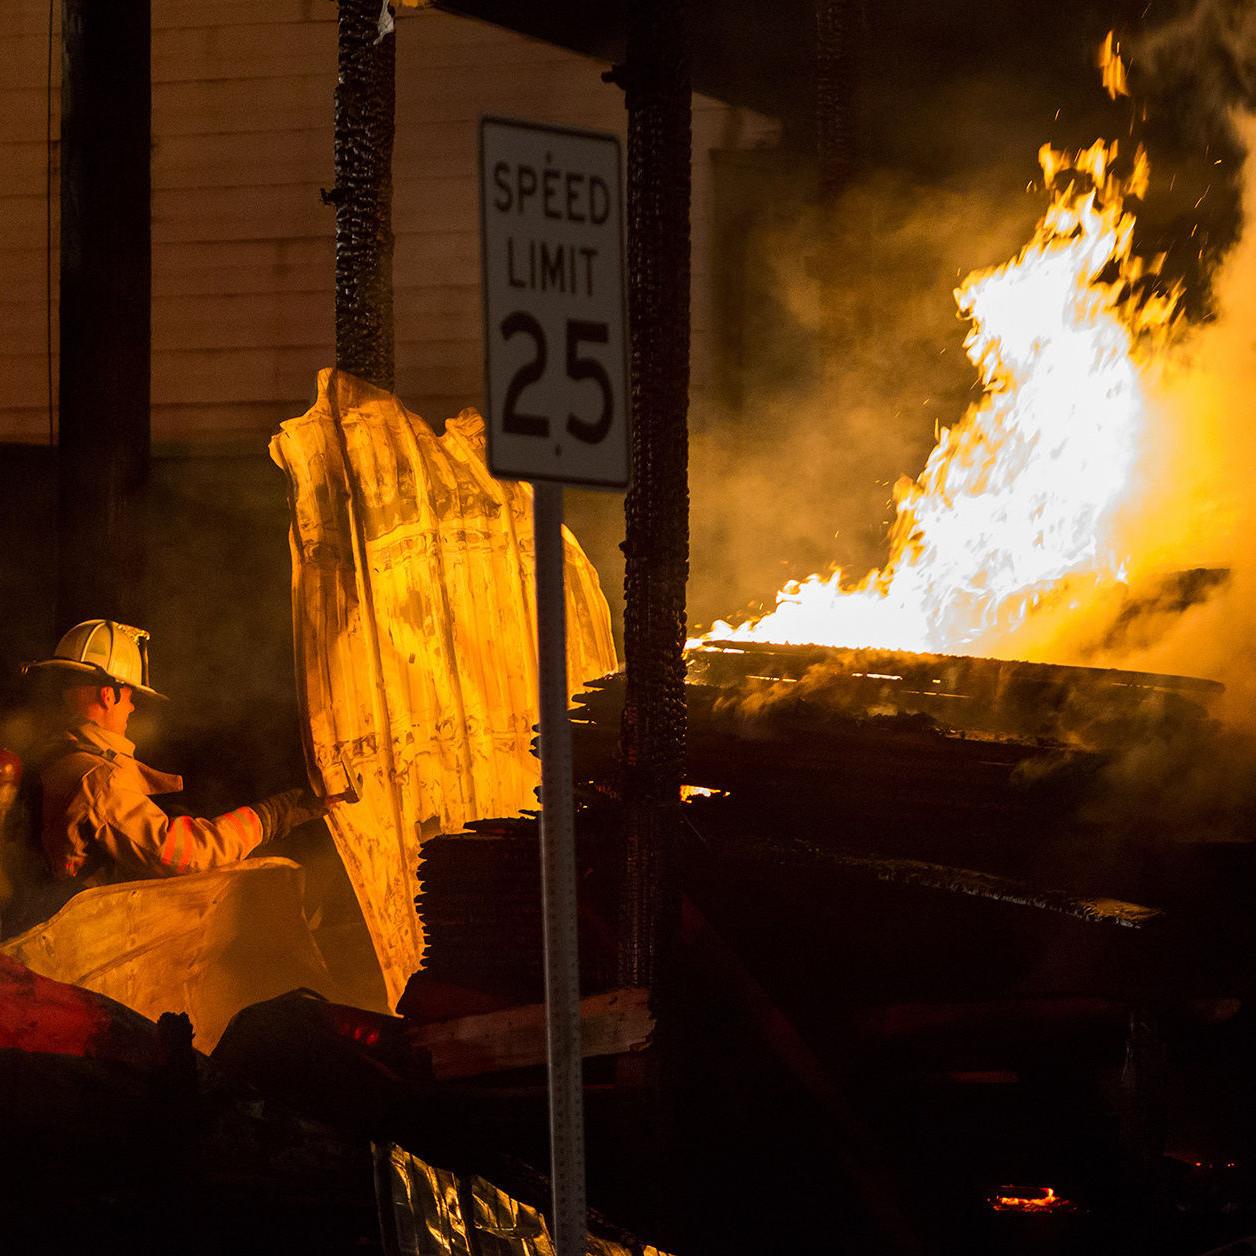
[1022, 494]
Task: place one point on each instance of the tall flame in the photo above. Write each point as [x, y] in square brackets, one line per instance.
[1112, 67]
[1022, 494]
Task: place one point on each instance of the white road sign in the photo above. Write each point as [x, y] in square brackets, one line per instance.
[555, 362]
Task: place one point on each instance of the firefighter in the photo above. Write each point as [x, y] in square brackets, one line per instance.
[98, 823]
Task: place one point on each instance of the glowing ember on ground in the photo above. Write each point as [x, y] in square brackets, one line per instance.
[1017, 505]
[1039, 1199]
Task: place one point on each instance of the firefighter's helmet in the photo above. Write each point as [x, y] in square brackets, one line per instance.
[104, 651]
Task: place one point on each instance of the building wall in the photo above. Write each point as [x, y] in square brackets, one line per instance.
[242, 243]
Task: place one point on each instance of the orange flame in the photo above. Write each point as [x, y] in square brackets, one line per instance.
[1022, 495]
[1046, 1201]
[1112, 67]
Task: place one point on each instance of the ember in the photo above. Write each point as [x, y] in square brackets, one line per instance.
[1034, 1199]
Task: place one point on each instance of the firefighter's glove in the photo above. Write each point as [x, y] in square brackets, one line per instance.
[281, 813]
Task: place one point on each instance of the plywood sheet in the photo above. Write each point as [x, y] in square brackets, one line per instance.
[207, 944]
[414, 624]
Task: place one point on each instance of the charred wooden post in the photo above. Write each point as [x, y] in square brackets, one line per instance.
[656, 80]
[104, 434]
[1142, 1114]
[834, 93]
[364, 114]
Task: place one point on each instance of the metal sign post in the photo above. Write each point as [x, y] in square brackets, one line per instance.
[556, 375]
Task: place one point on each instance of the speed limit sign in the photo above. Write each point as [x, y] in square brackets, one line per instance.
[552, 234]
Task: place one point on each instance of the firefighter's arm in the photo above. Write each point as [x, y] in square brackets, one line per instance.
[143, 841]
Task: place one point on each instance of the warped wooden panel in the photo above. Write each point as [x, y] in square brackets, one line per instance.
[613, 1023]
[414, 624]
[207, 944]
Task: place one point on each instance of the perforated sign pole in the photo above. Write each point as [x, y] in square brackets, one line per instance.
[558, 883]
[556, 386]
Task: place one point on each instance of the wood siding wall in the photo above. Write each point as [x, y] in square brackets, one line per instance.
[242, 243]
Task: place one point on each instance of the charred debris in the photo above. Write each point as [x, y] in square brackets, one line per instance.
[941, 949]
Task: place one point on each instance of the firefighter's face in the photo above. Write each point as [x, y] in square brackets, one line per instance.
[118, 706]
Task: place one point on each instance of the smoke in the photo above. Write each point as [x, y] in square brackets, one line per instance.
[1194, 507]
[1204, 59]
[850, 358]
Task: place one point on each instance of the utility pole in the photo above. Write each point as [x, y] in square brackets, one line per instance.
[106, 322]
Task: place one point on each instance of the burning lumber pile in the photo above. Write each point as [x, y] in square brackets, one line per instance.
[945, 791]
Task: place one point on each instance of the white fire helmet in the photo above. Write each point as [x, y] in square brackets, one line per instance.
[103, 651]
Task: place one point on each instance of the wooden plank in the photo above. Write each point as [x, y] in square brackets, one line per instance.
[420, 205]
[611, 1024]
[22, 113]
[219, 423]
[23, 271]
[26, 426]
[285, 264]
[174, 944]
[243, 50]
[280, 320]
[271, 50]
[429, 261]
[438, 93]
[25, 166]
[260, 374]
[25, 58]
[22, 217]
[177, 13]
[30, 17]
[293, 318]
[178, 158]
[24, 327]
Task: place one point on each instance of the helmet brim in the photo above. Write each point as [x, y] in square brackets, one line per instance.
[89, 672]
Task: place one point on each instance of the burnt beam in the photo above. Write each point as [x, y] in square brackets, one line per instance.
[364, 123]
[656, 81]
[106, 330]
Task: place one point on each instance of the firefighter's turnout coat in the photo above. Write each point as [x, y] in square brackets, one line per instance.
[99, 823]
